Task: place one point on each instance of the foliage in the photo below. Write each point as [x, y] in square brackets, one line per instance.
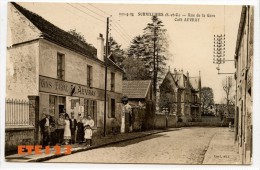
[134, 69]
[228, 86]
[207, 99]
[118, 53]
[81, 37]
[77, 34]
[151, 48]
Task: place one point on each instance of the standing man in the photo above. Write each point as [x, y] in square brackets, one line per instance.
[60, 128]
[45, 129]
[73, 127]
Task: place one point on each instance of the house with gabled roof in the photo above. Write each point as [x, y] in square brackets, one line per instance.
[138, 91]
[180, 94]
[60, 71]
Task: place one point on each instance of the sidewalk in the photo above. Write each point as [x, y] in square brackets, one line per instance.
[99, 142]
[222, 149]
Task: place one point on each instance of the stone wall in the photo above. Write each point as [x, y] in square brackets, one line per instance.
[160, 121]
[18, 136]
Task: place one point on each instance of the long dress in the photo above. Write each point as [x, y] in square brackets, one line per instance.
[67, 133]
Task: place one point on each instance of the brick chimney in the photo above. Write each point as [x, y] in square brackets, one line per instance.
[100, 47]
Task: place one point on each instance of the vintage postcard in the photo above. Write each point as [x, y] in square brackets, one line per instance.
[129, 83]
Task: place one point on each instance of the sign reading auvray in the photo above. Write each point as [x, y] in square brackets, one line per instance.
[60, 87]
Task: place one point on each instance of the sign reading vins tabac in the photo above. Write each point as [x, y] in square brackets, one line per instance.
[60, 87]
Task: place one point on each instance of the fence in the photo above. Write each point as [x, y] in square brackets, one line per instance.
[16, 112]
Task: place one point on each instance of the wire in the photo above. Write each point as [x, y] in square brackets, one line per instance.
[86, 13]
[109, 15]
[113, 18]
[121, 36]
[68, 10]
[122, 33]
[93, 11]
[122, 28]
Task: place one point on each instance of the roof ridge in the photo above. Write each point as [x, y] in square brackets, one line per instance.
[68, 40]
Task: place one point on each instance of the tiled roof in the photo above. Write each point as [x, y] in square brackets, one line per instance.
[55, 34]
[194, 81]
[136, 89]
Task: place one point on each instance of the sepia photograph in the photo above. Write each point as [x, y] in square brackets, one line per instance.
[124, 83]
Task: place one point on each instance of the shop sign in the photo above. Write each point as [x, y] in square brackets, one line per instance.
[60, 87]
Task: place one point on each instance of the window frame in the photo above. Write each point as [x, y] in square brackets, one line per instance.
[112, 81]
[60, 66]
[89, 76]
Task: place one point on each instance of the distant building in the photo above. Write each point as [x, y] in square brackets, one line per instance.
[180, 93]
[138, 92]
[59, 70]
[141, 97]
[244, 83]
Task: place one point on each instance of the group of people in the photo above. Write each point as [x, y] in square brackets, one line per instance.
[66, 130]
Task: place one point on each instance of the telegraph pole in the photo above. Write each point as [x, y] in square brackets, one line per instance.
[154, 67]
[105, 97]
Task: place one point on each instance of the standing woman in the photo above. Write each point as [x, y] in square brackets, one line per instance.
[67, 133]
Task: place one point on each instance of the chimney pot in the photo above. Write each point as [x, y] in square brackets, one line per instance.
[100, 47]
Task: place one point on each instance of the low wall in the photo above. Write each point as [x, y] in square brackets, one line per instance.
[202, 124]
[160, 121]
[15, 136]
[211, 119]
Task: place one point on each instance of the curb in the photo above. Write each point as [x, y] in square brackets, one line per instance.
[98, 146]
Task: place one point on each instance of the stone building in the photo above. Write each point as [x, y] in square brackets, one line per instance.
[180, 93]
[244, 83]
[138, 92]
[59, 70]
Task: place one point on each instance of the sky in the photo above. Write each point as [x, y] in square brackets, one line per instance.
[190, 43]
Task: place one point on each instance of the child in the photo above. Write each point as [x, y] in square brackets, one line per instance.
[88, 135]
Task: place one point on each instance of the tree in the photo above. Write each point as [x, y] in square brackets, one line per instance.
[207, 98]
[228, 86]
[152, 49]
[137, 48]
[134, 69]
[118, 53]
[156, 45]
[77, 35]
[81, 37]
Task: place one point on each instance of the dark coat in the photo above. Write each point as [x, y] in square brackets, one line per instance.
[75, 124]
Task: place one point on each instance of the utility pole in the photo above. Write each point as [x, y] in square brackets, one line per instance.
[105, 97]
[154, 65]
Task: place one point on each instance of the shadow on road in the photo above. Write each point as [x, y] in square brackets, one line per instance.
[135, 141]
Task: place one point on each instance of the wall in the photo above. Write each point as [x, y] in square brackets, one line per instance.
[18, 136]
[22, 62]
[22, 70]
[19, 28]
[160, 121]
[244, 100]
[75, 67]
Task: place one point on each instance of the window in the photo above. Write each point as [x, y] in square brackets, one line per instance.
[112, 81]
[89, 75]
[52, 104]
[187, 97]
[195, 99]
[113, 108]
[60, 66]
[90, 108]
